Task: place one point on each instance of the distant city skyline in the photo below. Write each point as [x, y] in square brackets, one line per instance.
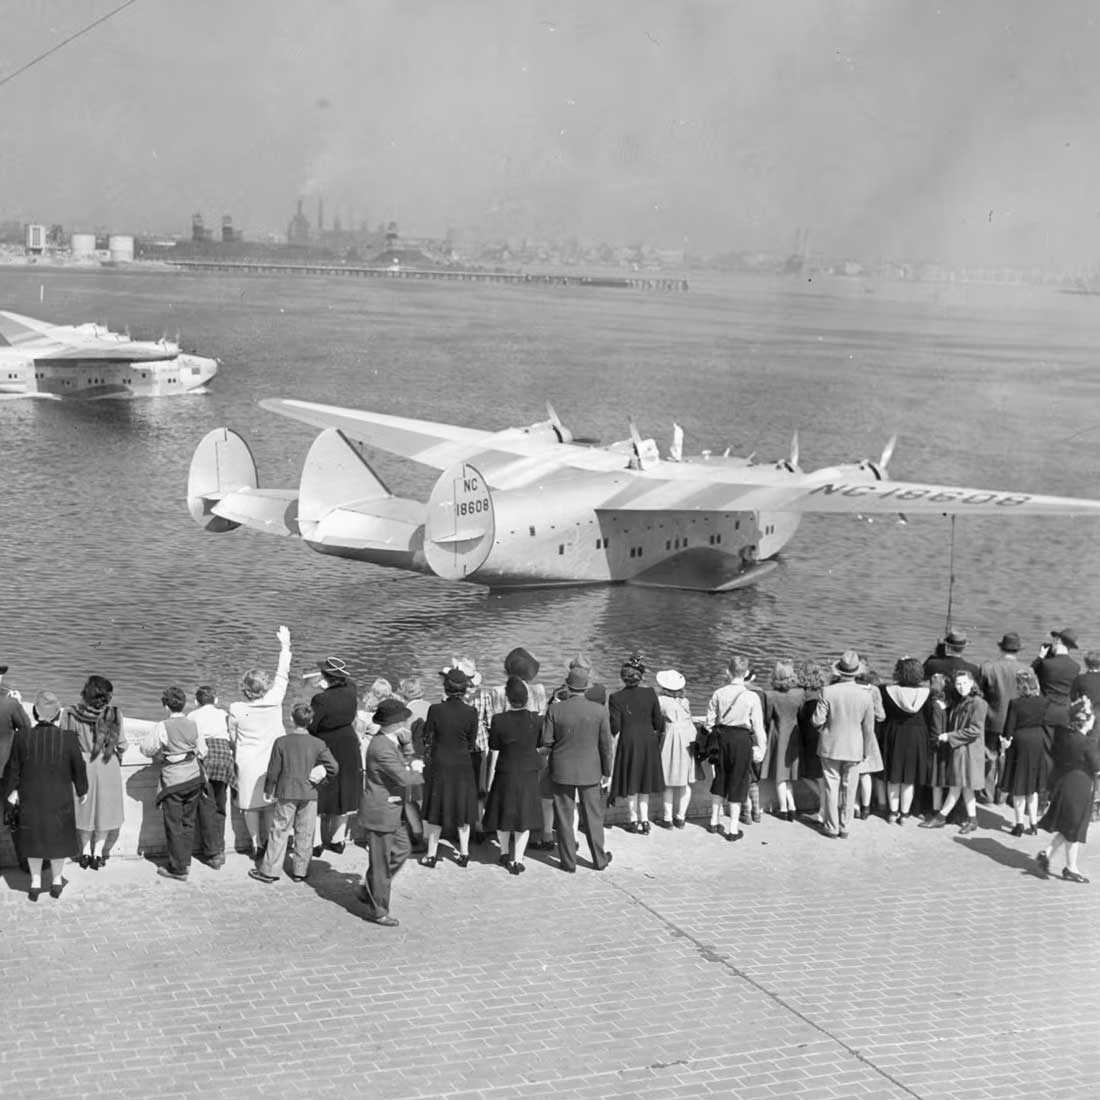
[887, 128]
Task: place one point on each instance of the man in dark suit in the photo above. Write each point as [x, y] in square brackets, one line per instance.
[1057, 670]
[386, 779]
[948, 658]
[578, 733]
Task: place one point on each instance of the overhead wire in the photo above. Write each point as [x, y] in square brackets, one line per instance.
[65, 41]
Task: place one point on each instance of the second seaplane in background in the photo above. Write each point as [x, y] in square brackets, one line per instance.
[529, 507]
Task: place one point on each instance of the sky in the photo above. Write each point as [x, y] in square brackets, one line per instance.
[964, 133]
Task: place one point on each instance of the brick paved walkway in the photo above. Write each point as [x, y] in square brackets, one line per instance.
[899, 963]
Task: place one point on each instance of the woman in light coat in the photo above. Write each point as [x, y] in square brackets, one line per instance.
[254, 724]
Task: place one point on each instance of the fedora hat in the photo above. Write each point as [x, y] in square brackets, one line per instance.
[670, 679]
[390, 712]
[956, 638]
[1067, 636]
[1010, 643]
[849, 664]
[577, 680]
[46, 706]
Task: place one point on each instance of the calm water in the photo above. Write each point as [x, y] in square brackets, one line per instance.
[104, 571]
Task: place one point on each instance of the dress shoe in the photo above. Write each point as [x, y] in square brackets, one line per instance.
[462, 860]
[712, 828]
[338, 848]
[516, 868]
[216, 863]
[731, 837]
[678, 822]
[645, 828]
[608, 857]
[894, 819]
[97, 863]
[259, 876]
[937, 821]
[1067, 874]
[1031, 830]
[505, 860]
[633, 826]
[33, 892]
[85, 861]
[1017, 830]
[318, 849]
[164, 872]
[968, 826]
[1043, 860]
[386, 921]
[428, 861]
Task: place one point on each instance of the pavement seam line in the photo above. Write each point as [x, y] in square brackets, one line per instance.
[709, 955]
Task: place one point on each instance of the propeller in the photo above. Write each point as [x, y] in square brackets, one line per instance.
[563, 433]
[790, 463]
[879, 468]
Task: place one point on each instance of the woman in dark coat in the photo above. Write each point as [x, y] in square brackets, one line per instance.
[1026, 746]
[334, 709]
[44, 769]
[811, 678]
[904, 736]
[513, 808]
[781, 761]
[450, 775]
[637, 723]
[1076, 762]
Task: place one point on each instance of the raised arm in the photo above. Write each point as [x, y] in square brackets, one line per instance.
[282, 670]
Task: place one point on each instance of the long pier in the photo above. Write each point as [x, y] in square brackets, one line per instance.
[634, 282]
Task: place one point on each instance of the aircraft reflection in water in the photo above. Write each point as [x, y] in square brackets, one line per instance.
[89, 362]
[528, 507]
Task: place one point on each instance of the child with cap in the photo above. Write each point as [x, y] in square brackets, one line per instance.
[299, 761]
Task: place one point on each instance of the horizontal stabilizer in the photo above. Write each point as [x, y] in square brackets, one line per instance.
[272, 511]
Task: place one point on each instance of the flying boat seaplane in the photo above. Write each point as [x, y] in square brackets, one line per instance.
[89, 362]
[532, 507]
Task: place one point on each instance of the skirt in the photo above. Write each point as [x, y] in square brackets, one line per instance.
[340, 794]
[102, 811]
[1026, 763]
[1070, 806]
[677, 761]
[731, 753]
[905, 753]
[450, 796]
[513, 804]
[637, 767]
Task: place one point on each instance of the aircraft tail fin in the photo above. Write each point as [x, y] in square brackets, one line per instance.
[223, 492]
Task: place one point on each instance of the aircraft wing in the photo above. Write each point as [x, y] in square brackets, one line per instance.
[507, 459]
[49, 343]
[812, 492]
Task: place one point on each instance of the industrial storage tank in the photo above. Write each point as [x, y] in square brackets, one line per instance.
[83, 244]
[121, 247]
